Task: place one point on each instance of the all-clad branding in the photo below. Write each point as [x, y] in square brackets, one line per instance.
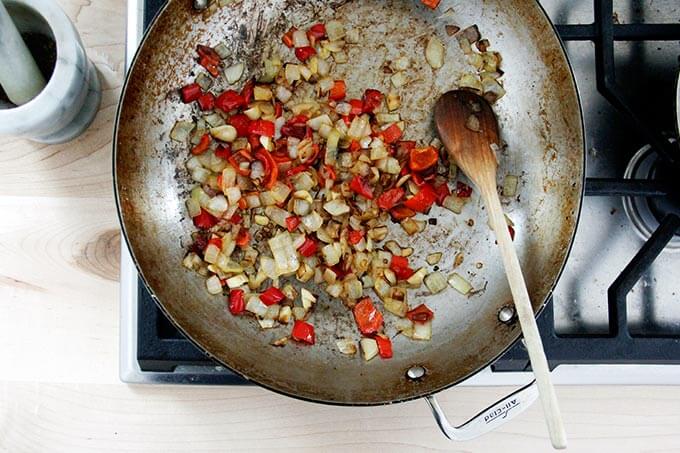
[501, 412]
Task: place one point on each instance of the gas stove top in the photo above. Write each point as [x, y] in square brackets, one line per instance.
[615, 313]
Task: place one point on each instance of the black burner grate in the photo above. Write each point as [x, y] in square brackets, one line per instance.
[162, 348]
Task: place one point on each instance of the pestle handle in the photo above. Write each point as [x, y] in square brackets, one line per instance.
[19, 74]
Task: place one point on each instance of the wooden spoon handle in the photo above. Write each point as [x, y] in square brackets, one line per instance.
[525, 313]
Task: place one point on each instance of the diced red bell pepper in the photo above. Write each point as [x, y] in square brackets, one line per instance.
[271, 168]
[354, 146]
[357, 107]
[223, 151]
[204, 220]
[262, 127]
[288, 37]
[317, 31]
[237, 303]
[202, 146]
[242, 238]
[360, 185]
[368, 318]
[236, 218]
[308, 248]
[355, 236]
[420, 314]
[241, 123]
[442, 191]
[248, 91]
[463, 190]
[206, 101]
[423, 158]
[384, 346]
[296, 127]
[297, 170]
[305, 53]
[292, 223]
[278, 109]
[272, 296]
[390, 198]
[303, 331]
[432, 4]
[512, 232]
[209, 65]
[242, 203]
[392, 134]
[208, 52]
[400, 267]
[338, 91]
[371, 100]
[217, 242]
[229, 100]
[327, 172]
[190, 93]
[423, 200]
[400, 213]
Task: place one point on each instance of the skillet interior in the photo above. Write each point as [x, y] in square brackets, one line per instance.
[539, 118]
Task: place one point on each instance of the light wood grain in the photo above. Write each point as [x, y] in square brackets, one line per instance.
[59, 388]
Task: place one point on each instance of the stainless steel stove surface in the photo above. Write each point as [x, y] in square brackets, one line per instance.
[595, 331]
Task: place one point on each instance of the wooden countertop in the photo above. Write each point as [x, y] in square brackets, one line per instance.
[59, 387]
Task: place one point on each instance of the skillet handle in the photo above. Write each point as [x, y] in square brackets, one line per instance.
[488, 419]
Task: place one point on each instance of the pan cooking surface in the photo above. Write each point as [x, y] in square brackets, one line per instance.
[539, 120]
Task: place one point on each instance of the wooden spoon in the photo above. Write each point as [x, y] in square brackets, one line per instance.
[469, 129]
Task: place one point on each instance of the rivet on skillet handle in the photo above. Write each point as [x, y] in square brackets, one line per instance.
[490, 418]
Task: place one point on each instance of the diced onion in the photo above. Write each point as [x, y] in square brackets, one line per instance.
[181, 131]
[346, 346]
[285, 255]
[510, 186]
[214, 285]
[459, 284]
[300, 39]
[218, 205]
[435, 282]
[335, 30]
[226, 133]
[285, 314]
[332, 253]
[399, 79]
[422, 331]
[308, 299]
[336, 207]
[236, 281]
[283, 94]
[234, 73]
[256, 306]
[433, 258]
[369, 348]
[454, 204]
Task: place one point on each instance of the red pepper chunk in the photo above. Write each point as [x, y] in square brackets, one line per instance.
[305, 53]
[400, 213]
[237, 303]
[248, 91]
[204, 220]
[371, 100]
[357, 106]
[318, 31]
[432, 4]
[242, 238]
[308, 248]
[209, 66]
[400, 267]
[355, 236]
[236, 218]
[463, 190]
[368, 318]
[223, 151]
[360, 185]
[423, 200]
[272, 296]
[296, 127]
[190, 93]
[384, 346]
[202, 146]
[390, 198]
[241, 123]
[229, 100]
[392, 134]
[442, 191]
[288, 37]
[423, 158]
[271, 168]
[217, 242]
[303, 332]
[206, 101]
[338, 91]
[262, 127]
[420, 314]
[292, 223]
